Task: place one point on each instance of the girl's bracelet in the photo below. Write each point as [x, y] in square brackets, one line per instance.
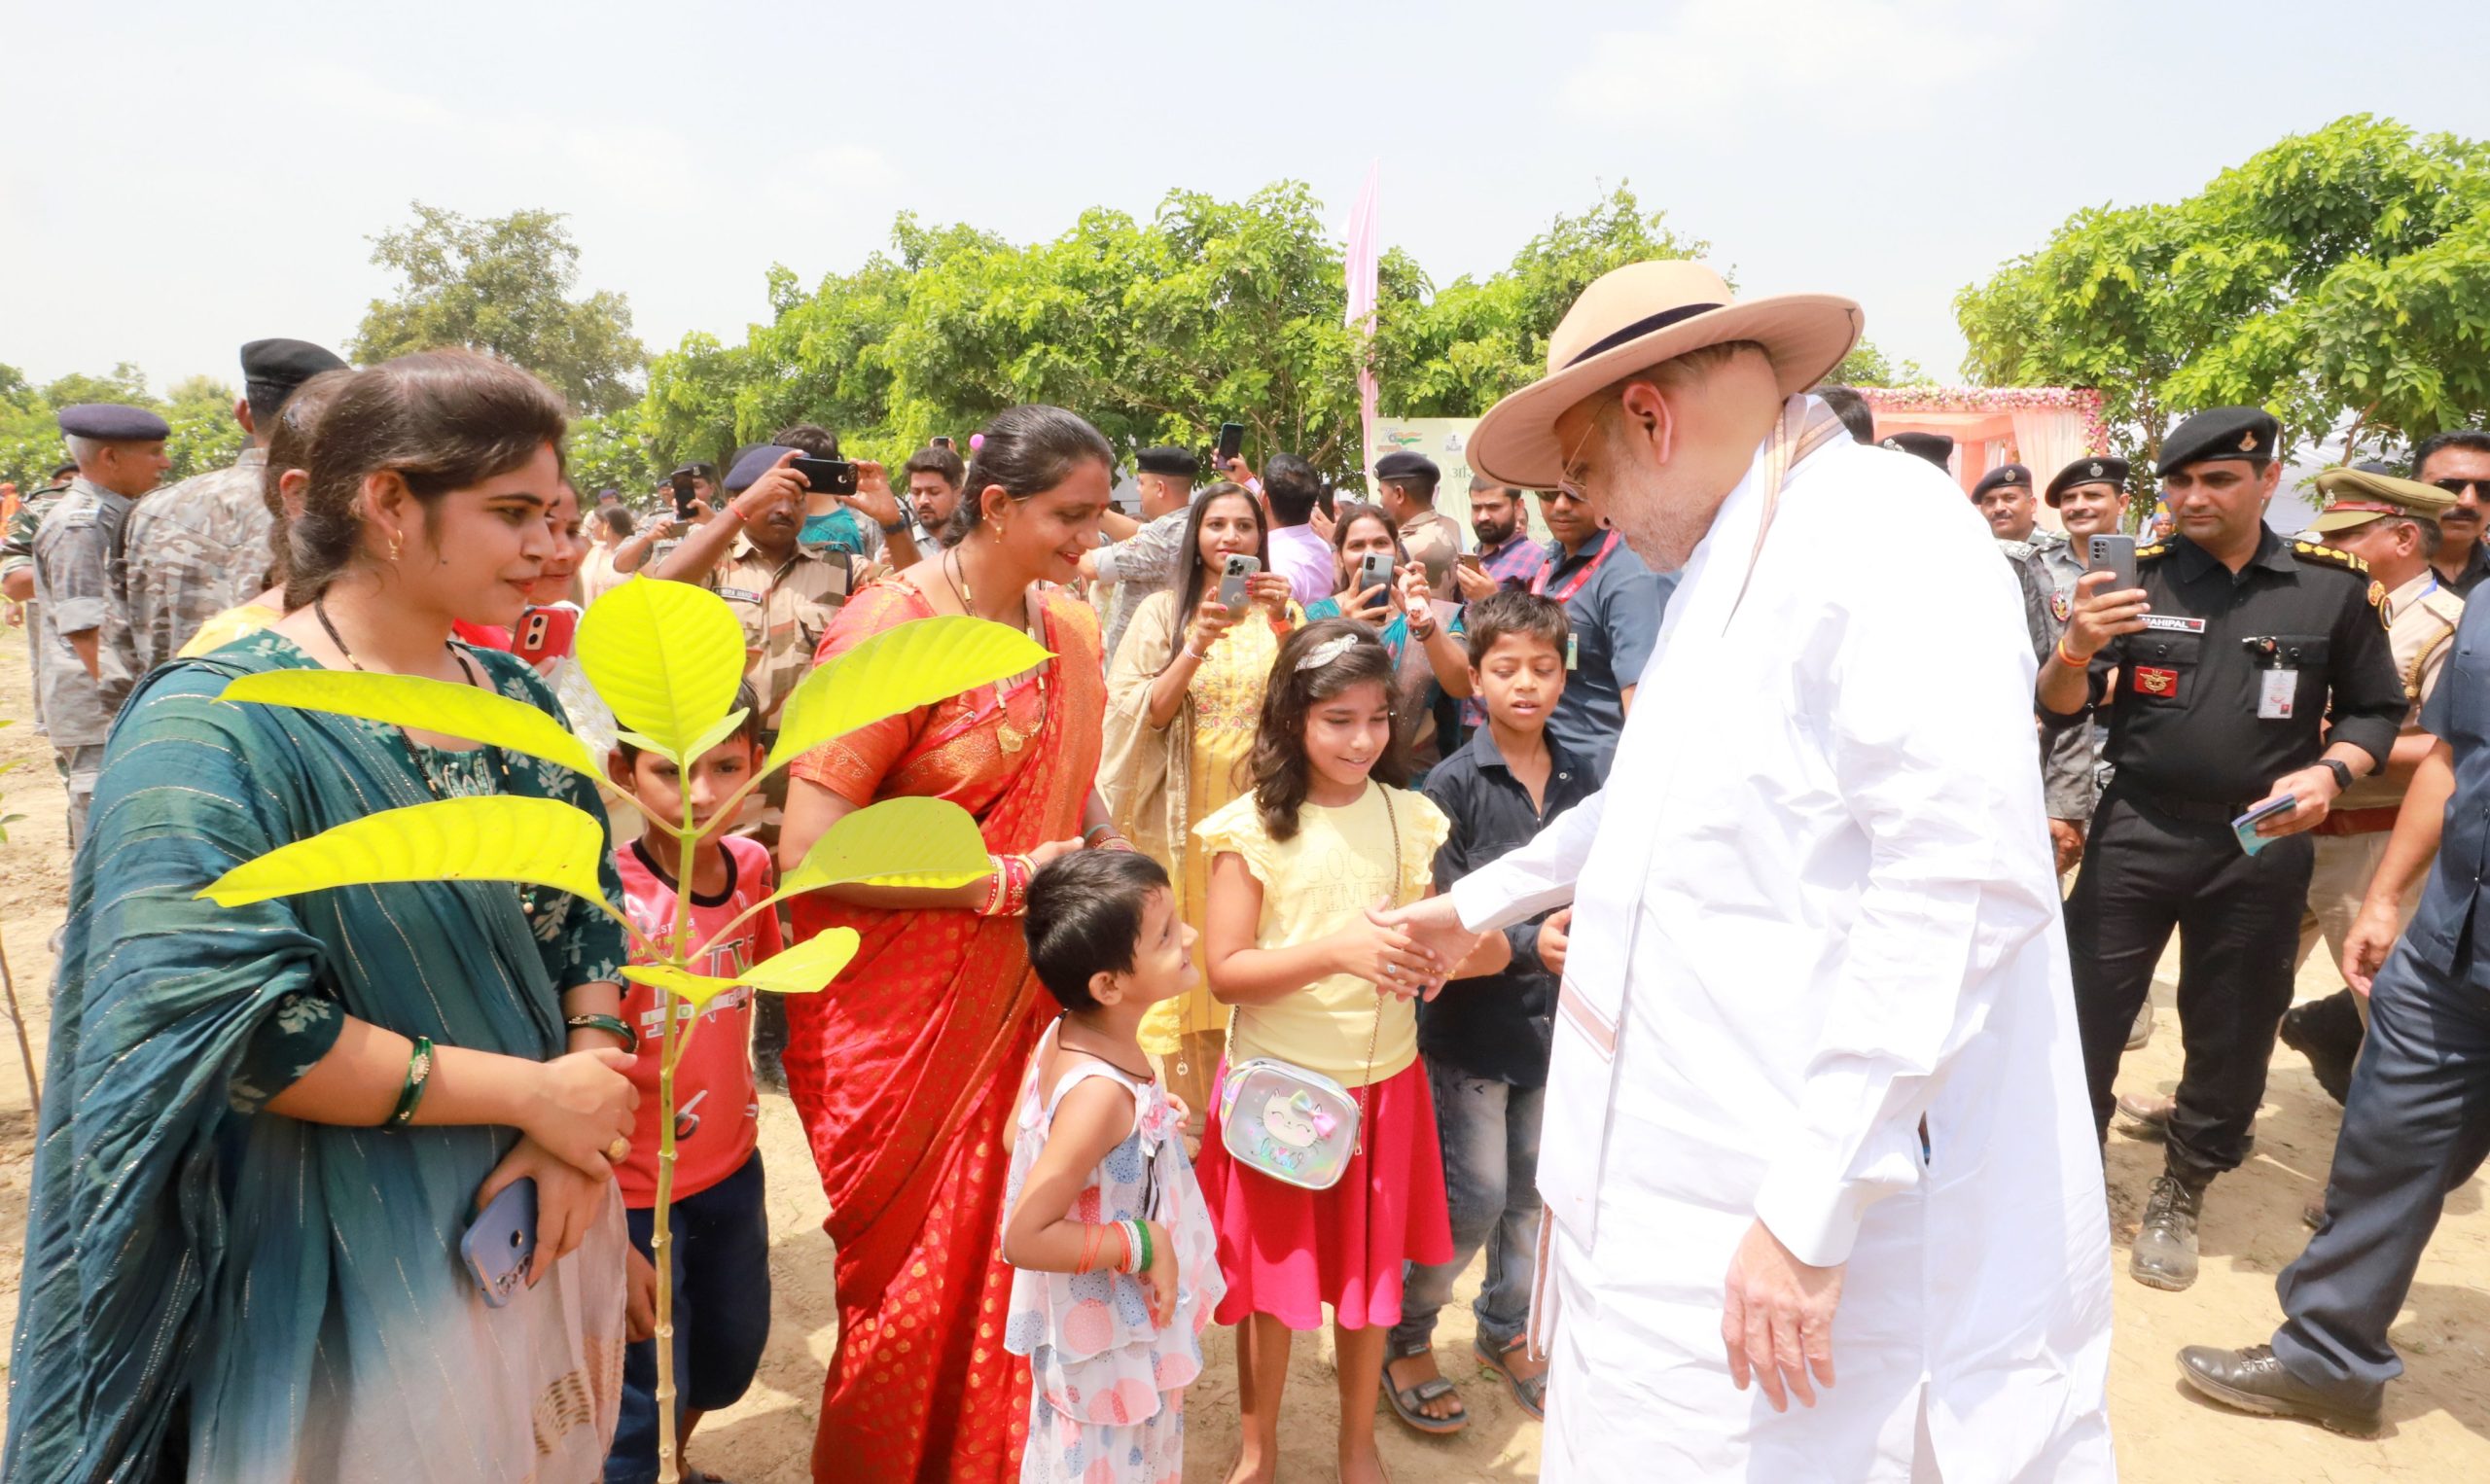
[419, 1076]
[611, 1025]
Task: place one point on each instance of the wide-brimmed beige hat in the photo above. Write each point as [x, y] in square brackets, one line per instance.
[1635, 318]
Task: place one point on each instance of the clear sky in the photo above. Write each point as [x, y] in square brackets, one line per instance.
[200, 176]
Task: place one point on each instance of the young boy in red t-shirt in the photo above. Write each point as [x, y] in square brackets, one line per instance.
[720, 1227]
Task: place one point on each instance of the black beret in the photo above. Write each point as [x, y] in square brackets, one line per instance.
[752, 462]
[2220, 433]
[282, 366]
[1164, 460]
[60, 470]
[1405, 465]
[2003, 477]
[2089, 469]
[1935, 447]
[109, 422]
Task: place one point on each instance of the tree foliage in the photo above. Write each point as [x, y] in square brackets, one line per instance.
[199, 409]
[503, 285]
[2340, 278]
[1156, 330]
[1867, 366]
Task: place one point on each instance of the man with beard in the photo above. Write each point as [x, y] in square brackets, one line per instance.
[1507, 558]
[1814, 1096]
[934, 477]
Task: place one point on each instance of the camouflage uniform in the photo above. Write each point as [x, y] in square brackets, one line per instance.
[78, 567]
[2046, 565]
[194, 551]
[784, 607]
[18, 554]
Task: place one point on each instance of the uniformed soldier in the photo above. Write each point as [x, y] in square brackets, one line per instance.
[2251, 671]
[82, 666]
[17, 562]
[2090, 496]
[1935, 447]
[201, 547]
[2045, 570]
[2392, 525]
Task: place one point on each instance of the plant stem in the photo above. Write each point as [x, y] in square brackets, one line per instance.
[26, 1052]
[671, 1052]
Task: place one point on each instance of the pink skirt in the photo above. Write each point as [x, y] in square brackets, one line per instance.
[1287, 1250]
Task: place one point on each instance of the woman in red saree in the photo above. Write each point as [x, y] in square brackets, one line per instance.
[904, 1071]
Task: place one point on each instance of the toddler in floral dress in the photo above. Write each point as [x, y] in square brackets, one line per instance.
[1117, 1262]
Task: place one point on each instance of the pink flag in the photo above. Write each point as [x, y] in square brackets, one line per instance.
[1365, 252]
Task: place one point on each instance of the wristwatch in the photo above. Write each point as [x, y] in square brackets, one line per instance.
[894, 527]
[2341, 771]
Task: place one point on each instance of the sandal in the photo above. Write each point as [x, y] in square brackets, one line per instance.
[1406, 1403]
[1530, 1390]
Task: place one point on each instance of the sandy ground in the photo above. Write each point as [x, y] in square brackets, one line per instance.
[2438, 1415]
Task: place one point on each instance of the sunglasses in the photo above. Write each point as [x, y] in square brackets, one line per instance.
[2481, 487]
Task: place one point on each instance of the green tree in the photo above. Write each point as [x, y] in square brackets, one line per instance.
[1452, 352]
[2340, 278]
[503, 285]
[610, 453]
[1867, 366]
[199, 409]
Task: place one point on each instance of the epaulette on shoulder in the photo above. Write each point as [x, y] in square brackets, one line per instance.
[2329, 556]
[2147, 553]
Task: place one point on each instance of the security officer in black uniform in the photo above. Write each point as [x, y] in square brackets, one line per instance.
[2247, 669]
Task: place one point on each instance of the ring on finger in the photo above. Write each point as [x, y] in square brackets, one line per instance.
[619, 1151]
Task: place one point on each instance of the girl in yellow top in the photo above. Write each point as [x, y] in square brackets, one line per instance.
[1325, 838]
[1183, 697]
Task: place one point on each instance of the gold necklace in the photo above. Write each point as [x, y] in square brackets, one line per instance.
[1013, 738]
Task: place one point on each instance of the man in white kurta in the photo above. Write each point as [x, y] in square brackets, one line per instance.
[1815, 907]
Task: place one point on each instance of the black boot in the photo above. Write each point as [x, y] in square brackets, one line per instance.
[2165, 1255]
[2255, 1380]
[2327, 1032]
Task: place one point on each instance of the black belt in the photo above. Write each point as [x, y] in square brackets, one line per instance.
[2194, 810]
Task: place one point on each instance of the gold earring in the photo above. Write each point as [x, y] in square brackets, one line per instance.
[396, 541]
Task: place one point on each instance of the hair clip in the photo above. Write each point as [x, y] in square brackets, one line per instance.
[1328, 651]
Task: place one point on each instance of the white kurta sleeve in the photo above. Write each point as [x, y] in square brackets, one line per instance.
[1538, 878]
[1936, 762]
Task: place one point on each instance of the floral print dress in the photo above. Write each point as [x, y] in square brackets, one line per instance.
[1107, 1402]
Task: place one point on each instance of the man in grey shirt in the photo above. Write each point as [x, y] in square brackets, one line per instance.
[1144, 556]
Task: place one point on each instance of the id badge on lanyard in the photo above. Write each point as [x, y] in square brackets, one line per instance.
[2276, 694]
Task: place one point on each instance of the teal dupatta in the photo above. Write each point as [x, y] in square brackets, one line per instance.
[295, 1287]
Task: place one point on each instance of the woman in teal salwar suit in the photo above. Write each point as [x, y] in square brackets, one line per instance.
[241, 1263]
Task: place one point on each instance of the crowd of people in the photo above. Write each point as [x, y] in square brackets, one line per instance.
[1347, 918]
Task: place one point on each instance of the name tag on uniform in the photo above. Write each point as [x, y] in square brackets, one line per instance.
[2172, 624]
[738, 594]
[2275, 695]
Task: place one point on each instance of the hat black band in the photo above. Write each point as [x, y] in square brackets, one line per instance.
[1641, 328]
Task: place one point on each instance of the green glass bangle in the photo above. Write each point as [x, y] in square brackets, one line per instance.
[612, 1025]
[1145, 1256]
[419, 1076]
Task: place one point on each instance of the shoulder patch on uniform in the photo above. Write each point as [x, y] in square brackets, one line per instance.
[2157, 549]
[2311, 551]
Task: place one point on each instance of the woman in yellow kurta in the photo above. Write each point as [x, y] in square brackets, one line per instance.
[1183, 691]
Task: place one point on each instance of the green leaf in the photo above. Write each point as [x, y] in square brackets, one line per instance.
[804, 969]
[427, 705]
[724, 728]
[927, 843]
[666, 656]
[493, 838]
[915, 664]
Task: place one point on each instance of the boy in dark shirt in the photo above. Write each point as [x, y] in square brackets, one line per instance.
[1485, 1040]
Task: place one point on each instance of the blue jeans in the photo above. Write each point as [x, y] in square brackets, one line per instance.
[1490, 1135]
[721, 1315]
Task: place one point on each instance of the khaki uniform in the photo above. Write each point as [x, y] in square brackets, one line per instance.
[194, 551]
[785, 607]
[77, 573]
[2421, 620]
[1434, 541]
